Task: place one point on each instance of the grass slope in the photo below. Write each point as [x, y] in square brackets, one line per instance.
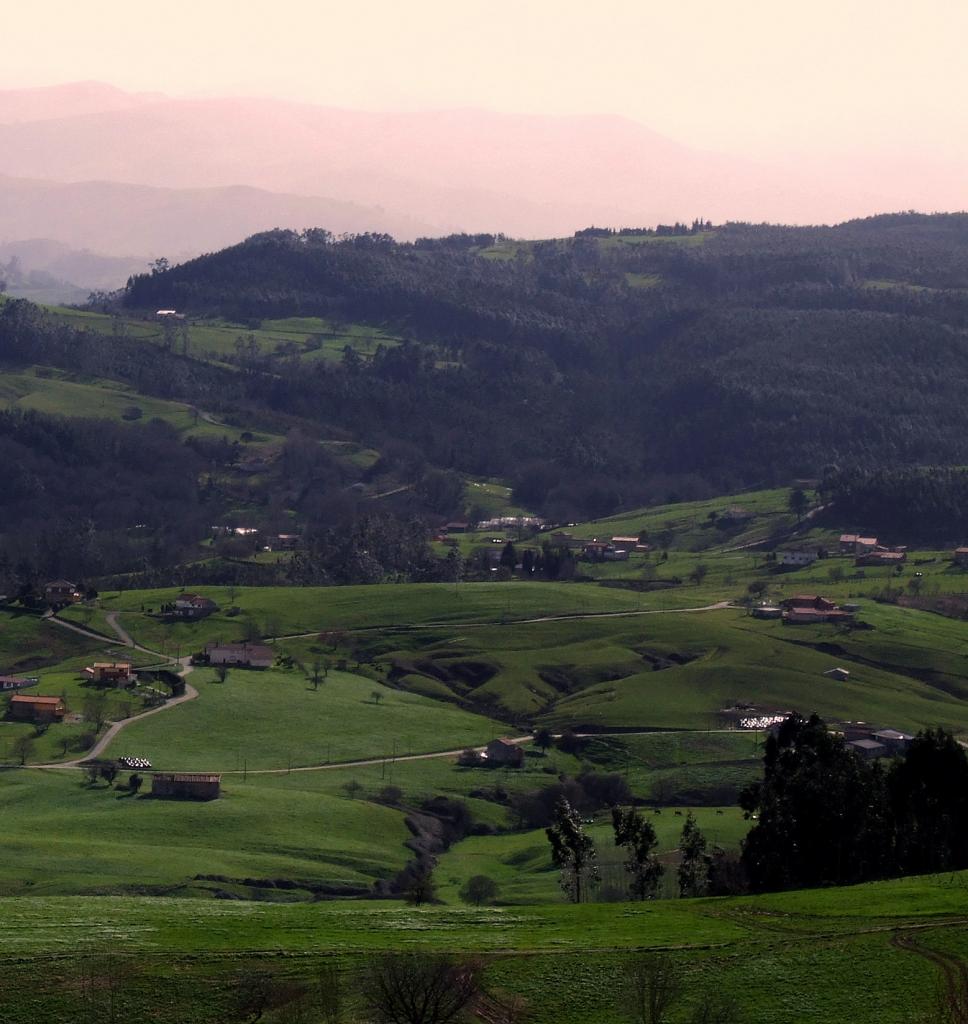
[269, 720]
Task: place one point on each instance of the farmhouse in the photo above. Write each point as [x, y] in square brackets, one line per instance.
[797, 556]
[503, 752]
[867, 749]
[736, 514]
[841, 674]
[112, 673]
[881, 558]
[854, 544]
[766, 611]
[194, 606]
[596, 550]
[625, 543]
[961, 557]
[804, 609]
[895, 742]
[815, 601]
[284, 542]
[61, 592]
[186, 786]
[246, 655]
[36, 709]
[615, 555]
[8, 683]
[457, 527]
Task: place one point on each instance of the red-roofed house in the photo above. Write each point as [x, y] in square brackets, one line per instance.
[36, 709]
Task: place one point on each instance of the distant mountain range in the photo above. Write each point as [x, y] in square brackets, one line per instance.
[143, 174]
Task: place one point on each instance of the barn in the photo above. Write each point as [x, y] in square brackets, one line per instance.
[186, 785]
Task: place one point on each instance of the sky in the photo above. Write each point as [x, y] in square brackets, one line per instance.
[761, 77]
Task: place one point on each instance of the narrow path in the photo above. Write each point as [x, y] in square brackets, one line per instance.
[190, 694]
[564, 617]
[124, 638]
[954, 972]
[365, 763]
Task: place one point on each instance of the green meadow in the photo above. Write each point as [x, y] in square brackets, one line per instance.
[286, 611]
[58, 393]
[817, 955]
[273, 719]
[304, 337]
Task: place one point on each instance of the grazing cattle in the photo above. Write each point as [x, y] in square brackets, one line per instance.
[679, 813]
[719, 810]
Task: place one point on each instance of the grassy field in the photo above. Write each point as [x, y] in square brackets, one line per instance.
[284, 611]
[63, 836]
[814, 956]
[305, 337]
[271, 719]
[57, 393]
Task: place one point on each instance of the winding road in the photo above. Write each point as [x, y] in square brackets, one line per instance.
[115, 727]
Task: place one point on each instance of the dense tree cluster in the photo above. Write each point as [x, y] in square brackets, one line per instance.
[752, 354]
[918, 505]
[826, 816]
[609, 370]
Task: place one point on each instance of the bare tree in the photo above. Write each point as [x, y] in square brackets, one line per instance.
[418, 988]
[23, 747]
[652, 987]
[715, 1008]
[95, 710]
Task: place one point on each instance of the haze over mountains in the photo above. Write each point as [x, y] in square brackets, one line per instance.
[144, 175]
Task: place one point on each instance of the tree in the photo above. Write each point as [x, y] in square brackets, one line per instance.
[221, 673]
[421, 889]
[95, 710]
[418, 988]
[23, 747]
[693, 863]
[509, 557]
[543, 739]
[928, 793]
[637, 837]
[135, 782]
[319, 672]
[353, 788]
[376, 696]
[714, 1008]
[652, 986]
[699, 573]
[109, 772]
[822, 813]
[572, 852]
[479, 889]
[798, 503]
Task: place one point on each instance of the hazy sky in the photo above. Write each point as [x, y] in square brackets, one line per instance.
[750, 75]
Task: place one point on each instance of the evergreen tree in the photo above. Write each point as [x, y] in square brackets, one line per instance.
[694, 863]
[573, 852]
[509, 557]
[637, 837]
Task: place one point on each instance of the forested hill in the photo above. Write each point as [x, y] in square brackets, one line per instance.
[611, 368]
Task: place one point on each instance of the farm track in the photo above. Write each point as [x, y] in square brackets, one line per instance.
[564, 617]
[954, 971]
[124, 638]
